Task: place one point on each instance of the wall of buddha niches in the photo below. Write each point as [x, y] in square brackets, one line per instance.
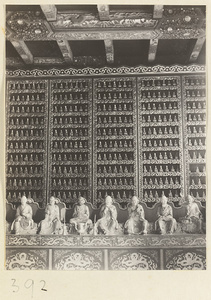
[106, 135]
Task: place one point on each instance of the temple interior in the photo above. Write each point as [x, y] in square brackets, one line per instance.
[105, 115]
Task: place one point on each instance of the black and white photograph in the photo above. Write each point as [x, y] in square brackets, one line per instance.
[105, 137]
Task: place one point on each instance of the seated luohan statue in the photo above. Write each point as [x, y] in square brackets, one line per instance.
[51, 224]
[23, 223]
[165, 222]
[193, 217]
[81, 222]
[136, 222]
[108, 223]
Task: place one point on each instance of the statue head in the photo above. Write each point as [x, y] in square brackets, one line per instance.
[108, 201]
[81, 200]
[164, 200]
[190, 199]
[134, 200]
[23, 200]
[52, 200]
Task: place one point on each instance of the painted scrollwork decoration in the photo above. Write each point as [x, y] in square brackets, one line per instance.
[127, 20]
[77, 261]
[29, 260]
[27, 25]
[108, 71]
[134, 261]
[187, 261]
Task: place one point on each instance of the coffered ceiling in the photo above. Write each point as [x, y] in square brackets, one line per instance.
[104, 35]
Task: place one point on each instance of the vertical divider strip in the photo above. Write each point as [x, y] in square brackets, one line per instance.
[183, 138]
[92, 144]
[138, 145]
[48, 142]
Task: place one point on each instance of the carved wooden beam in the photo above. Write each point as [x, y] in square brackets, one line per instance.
[109, 49]
[152, 49]
[48, 61]
[49, 11]
[197, 48]
[103, 11]
[66, 50]
[14, 61]
[158, 11]
[23, 51]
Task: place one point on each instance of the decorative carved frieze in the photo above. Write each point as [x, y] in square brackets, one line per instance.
[158, 69]
[100, 241]
[124, 20]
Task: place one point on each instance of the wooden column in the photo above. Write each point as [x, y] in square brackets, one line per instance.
[158, 11]
[197, 48]
[109, 49]
[103, 11]
[23, 51]
[66, 50]
[152, 49]
[49, 11]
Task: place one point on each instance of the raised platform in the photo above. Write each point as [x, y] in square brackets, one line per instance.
[72, 252]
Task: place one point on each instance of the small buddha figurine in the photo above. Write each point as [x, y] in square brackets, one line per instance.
[108, 223]
[193, 214]
[51, 224]
[80, 221]
[136, 224]
[165, 222]
[23, 223]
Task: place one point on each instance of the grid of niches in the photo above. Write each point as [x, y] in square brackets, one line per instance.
[71, 139]
[194, 95]
[27, 108]
[115, 139]
[160, 138]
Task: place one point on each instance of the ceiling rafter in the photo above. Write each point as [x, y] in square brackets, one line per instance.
[153, 45]
[109, 49]
[103, 11]
[23, 51]
[197, 49]
[50, 12]
[158, 11]
[66, 50]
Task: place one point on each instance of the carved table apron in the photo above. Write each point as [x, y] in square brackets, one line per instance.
[72, 252]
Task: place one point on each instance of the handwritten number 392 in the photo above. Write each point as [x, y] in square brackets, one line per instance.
[28, 284]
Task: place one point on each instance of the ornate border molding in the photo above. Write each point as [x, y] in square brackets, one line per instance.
[158, 69]
[154, 241]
